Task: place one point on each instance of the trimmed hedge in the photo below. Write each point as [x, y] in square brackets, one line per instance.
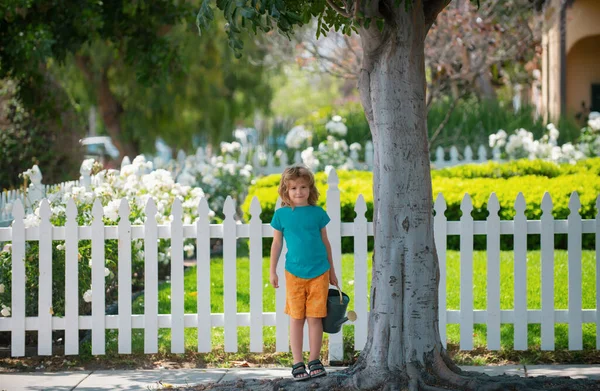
[519, 168]
[560, 187]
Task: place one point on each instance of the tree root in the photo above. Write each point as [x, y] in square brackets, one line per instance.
[413, 378]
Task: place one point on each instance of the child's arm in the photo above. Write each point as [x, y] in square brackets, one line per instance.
[332, 277]
[275, 253]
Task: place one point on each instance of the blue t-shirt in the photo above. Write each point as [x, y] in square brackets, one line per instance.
[301, 227]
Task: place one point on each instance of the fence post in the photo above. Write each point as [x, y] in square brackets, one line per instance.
[256, 277]
[17, 335]
[36, 189]
[98, 280]
[297, 157]
[150, 279]
[86, 171]
[574, 256]
[439, 229]
[71, 280]
[334, 232]
[453, 156]
[439, 157]
[466, 274]
[360, 273]
[520, 273]
[493, 273]
[481, 154]
[177, 289]
[124, 278]
[496, 154]
[468, 154]
[203, 318]
[45, 310]
[229, 276]
[547, 250]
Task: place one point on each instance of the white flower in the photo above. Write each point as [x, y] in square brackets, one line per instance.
[336, 127]
[31, 220]
[60, 247]
[5, 311]
[111, 211]
[86, 166]
[296, 137]
[87, 296]
[189, 249]
[7, 248]
[355, 147]
[594, 121]
[106, 272]
[1, 288]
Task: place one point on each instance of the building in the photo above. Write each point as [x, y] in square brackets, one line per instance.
[570, 76]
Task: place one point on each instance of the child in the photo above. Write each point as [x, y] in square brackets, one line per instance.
[308, 264]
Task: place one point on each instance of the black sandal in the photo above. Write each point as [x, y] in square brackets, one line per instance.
[298, 370]
[316, 365]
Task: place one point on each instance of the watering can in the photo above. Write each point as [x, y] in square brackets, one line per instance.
[337, 303]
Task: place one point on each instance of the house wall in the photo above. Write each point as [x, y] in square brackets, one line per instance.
[582, 22]
[583, 69]
[551, 62]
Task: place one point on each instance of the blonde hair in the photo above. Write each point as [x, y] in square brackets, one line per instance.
[292, 173]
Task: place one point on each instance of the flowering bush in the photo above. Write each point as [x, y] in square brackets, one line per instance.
[297, 137]
[521, 145]
[220, 176]
[336, 126]
[330, 153]
[590, 135]
[109, 186]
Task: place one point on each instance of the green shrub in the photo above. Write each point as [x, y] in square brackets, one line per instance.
[560, 187]
[519, 167]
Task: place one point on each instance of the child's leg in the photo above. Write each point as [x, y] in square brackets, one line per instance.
[296, 336]
[315, 337]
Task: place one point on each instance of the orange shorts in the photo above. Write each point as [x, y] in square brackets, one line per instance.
[306, 298]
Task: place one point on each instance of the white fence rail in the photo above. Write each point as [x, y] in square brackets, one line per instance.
[520, 316]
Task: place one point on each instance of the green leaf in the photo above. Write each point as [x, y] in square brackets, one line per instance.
[248, 12]
[294, 17]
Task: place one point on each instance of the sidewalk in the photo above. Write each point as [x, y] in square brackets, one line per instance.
[131, 380]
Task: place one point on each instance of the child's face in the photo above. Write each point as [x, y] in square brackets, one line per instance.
[298, 191]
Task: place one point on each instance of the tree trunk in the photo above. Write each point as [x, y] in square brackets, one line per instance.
[403, 324]
[109, 106]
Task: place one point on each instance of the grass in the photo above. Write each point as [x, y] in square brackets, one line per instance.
[478, 356]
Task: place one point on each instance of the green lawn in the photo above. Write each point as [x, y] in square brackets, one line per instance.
[347, 276]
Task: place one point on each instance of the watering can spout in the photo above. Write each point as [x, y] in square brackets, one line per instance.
[340, 322]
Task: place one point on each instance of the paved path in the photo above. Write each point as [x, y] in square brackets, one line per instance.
[131, 380]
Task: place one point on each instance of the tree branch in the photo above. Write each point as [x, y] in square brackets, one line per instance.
[338, 9]
[445, 120]
[431, 9]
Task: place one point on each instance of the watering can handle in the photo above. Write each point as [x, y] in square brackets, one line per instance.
[341, 297]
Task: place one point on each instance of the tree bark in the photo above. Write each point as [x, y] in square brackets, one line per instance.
[404, 307]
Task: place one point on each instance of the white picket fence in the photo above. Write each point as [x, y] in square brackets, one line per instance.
[276, 166]
[36, 190]
[229, 231]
